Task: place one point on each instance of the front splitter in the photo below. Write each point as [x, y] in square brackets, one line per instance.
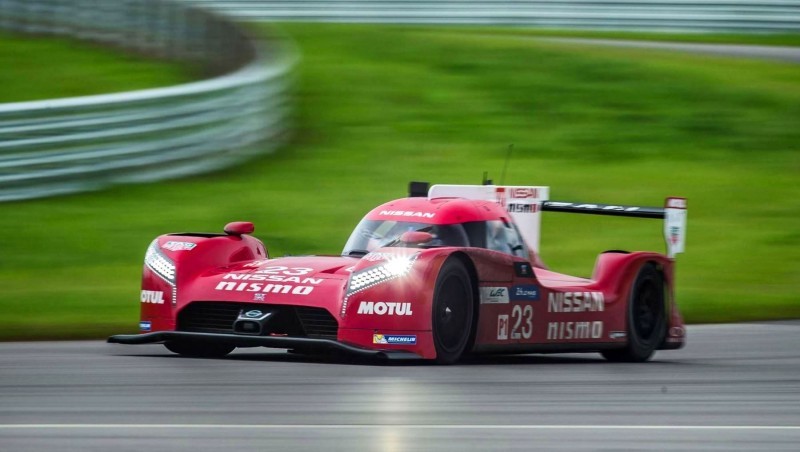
[237, 340]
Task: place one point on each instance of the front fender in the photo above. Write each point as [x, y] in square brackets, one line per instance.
[173, 261]
[397, 307]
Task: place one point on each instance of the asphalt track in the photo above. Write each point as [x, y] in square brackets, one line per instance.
[734, 388]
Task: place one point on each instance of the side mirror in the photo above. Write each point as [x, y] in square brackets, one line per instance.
[239, 228]
[416, 237]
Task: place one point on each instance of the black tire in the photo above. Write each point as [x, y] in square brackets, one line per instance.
[647, 319]
[199, 349]
[453, 311]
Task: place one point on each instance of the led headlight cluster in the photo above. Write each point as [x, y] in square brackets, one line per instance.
[159, 263]
[394, 267]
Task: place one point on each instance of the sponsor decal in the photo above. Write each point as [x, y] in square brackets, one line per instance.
[494, 295]
[522, 208]
[576, 302]
[179, 246]
[255, 313]
[503, 194]
[591, 206]
[674, 234]
[271, 278]
[574, 330]
[502, 327]
[145, 325]
[233, 282]
[232, 286]
[525, 292]
[617, 335]
[384, 308]
[259, 297]
[152, 296]
[522, 193]
[523, 269]
[281, 270]
[407, 213]
[394, 339]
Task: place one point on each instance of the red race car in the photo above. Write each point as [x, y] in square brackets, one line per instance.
[450, 270]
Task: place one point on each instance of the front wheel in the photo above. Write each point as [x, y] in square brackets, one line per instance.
[453, 310]
[199, 349]
[647, 322]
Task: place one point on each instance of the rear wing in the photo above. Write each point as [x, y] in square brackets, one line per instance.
[525, 204]
[673, 213]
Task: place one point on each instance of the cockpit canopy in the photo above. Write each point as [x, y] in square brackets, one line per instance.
[498, 235]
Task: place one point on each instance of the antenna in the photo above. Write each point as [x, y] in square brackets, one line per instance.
[505, 167]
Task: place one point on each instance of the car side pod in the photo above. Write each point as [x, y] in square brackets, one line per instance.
[239, 228]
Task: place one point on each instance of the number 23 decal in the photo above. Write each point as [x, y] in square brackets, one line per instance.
[281, 270]
[518, 316]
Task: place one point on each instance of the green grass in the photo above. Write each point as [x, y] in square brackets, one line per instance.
[378, 107]
[43, 68]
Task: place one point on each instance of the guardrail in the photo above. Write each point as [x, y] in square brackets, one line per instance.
[75, 144]
[680, 15]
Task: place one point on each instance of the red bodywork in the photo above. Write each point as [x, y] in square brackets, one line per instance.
[522, 307]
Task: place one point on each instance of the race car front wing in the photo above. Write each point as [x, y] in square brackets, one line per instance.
[298, 343]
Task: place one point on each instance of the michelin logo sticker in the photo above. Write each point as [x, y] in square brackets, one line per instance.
[394, 339]
[145, 325]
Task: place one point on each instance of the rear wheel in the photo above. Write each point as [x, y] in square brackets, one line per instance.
[647, 323]
[199, 349]
[453, 310]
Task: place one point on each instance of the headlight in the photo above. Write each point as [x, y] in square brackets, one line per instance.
[394, 267]
[159, 264]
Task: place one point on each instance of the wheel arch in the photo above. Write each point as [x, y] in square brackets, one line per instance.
[476, 301]
[642, 343]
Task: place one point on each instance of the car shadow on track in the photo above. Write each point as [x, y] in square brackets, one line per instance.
[472, 360]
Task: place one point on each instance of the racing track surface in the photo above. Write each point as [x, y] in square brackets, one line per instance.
[735, 387]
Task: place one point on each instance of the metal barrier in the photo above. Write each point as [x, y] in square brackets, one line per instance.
[681, 15]
[75, 144]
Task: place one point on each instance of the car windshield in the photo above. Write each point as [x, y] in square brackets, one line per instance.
[370, 235]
